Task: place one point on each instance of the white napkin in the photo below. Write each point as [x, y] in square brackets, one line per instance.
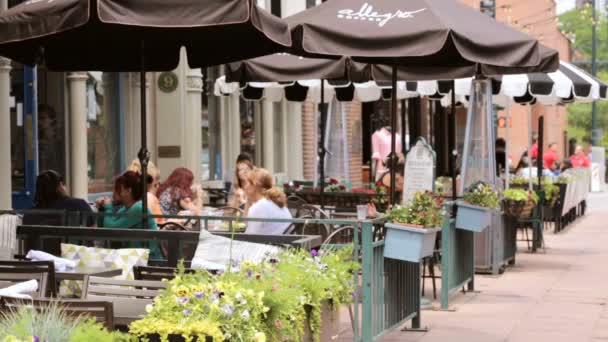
[201, 264]
[61, 264]
[18, 290]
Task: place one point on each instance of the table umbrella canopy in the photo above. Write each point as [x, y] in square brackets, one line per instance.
[107, 35]
[443, 37]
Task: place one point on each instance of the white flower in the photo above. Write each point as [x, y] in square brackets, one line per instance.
[245, 315]
[238, 296]
[149, 308]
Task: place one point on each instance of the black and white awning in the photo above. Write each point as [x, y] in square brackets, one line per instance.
[567, 84]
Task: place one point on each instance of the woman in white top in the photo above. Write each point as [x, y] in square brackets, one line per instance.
[266, 201]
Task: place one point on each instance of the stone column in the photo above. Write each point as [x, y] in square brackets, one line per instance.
[193, 135]
[294, 160]
[268, 135]
[5, 132]
[78, 134]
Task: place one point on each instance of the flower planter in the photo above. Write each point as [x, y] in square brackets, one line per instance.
[330, 323]
[473, 218]
[408, 243]
[174, 338]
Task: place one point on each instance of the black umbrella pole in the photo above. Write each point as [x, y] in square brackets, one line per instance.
[393, 156]
[322, 150]
[452, 144]
[143, 155]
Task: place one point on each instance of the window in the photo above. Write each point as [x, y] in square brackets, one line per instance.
[103, 130]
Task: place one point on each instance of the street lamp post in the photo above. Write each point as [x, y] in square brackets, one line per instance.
[595, 131]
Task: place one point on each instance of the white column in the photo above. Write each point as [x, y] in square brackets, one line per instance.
[268, 135]
[133, 120]
[78, 134]
[193, 141]
[5, 131]
[294, 161]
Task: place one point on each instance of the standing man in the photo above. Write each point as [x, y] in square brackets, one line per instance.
[579, 159]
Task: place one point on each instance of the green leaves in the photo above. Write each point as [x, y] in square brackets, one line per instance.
[483, 195]
[425, 210]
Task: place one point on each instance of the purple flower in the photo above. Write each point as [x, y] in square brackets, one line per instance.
[249, 273]
[36, 338]
[183, 300]
[314, 253]
[186, 312]
[228, 310]
[198, 295]
[219, 294]
[273, 261]
[354, 295]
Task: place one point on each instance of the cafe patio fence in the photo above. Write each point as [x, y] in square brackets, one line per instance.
[388, 291]
[457, 258]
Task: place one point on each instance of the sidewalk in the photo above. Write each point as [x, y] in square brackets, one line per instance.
[559, 294]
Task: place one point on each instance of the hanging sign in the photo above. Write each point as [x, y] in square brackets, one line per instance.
[419, 170]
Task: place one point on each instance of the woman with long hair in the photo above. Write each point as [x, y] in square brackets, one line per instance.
[244, 165]
[153, 185]
[267, 201]
[51, 194]
[127, 193]
[175, 193]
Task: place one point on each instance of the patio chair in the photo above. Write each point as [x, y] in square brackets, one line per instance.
[102, 311]
[129, 297]
[156, 273]
[294, 202]
[12, 271]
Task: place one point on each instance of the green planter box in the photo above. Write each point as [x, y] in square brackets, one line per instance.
[408, 243]
[473, 218]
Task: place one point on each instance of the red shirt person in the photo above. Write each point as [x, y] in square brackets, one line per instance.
[550, 157]
[579, 159]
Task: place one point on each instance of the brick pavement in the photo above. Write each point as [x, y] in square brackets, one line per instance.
[559, 294]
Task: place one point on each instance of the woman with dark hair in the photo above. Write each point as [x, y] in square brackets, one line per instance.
[128, 193]
[175, 193]
[244, 165]
[52, 195]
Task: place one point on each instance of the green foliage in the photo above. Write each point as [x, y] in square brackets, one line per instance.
[577, 25]
[520, 195]
[50, 323]
[256, 302]
[483, 195]
[425, 210]
[551, 190]
[90, 330]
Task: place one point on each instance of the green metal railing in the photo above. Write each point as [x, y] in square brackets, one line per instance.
[390, 289]
[457, 258]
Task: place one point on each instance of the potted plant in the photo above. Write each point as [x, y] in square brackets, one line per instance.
[411, 229]
[476, 208]
[519, 203]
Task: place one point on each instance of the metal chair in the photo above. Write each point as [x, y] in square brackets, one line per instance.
[129, 297]
[102, 311]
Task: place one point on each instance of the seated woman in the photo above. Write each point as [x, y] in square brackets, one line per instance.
[266, 201]
[51, 194]
[244, 165]
[153, 185]
[175, 193]
[399, 176]
[128, 193]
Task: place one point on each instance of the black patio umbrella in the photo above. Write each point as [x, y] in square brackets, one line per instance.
[443, 37]
[289, 68]
[138, 35]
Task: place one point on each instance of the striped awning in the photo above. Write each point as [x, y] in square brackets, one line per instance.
[568, 84]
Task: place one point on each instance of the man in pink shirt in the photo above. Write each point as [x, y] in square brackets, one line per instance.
[579, 159]
[550, 157]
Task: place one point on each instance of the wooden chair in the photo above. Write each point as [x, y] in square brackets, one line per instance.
[20, 271]
[129, 297]
[102, 311]
[156, 273]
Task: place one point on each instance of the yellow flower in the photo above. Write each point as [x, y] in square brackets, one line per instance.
[259, 337]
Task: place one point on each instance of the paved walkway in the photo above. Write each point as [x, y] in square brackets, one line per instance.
[560, 294]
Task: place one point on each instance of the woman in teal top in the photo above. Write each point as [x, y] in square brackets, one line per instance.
[128, 193]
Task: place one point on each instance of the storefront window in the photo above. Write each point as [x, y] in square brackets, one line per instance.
[17, 132]
[103, 130]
